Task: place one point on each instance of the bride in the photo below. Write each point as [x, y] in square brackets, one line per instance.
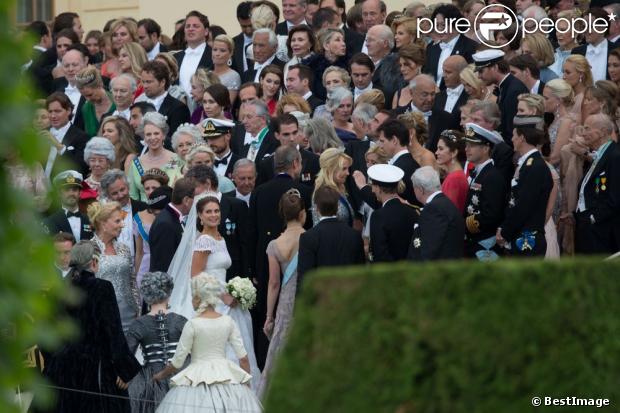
[203, 249]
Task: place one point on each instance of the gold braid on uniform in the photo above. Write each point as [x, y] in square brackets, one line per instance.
[473, 226]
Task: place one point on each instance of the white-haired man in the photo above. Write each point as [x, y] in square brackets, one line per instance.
[387, 76]
[440, 230]
[123, 88]
[264, 48]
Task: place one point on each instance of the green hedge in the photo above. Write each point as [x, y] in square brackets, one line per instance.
[452, 337]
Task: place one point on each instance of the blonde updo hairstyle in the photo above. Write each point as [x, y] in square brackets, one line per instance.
[562, 90]
[88, 77]
[331, 160]
[533, 101]
[98, 213]
[207, 289]
[582, 66]
[414, 121]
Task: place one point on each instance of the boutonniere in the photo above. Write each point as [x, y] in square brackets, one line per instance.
[70, 148]
[417, 242]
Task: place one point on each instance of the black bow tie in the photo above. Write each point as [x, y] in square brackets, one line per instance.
[496, 91]
[221, 162]
[73, 214]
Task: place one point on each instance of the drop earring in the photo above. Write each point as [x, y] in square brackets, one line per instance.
[229, 62]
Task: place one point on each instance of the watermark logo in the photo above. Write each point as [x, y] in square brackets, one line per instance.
[489, 21]
[496, 17]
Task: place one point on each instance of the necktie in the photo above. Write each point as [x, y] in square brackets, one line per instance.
[73, 214]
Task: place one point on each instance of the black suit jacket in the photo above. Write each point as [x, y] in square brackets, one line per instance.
[75, 141]
[354, 40]
[502, 155]
[391, 229]
[584, 48]
[58, 222]
[137, 206]
[238, 56]
[164, 238]
[205, 60]
[267, 147]
[176, 113]
[330, 243]
[529, 194]
[439, 121]
[409, 166]
[464, 46]
[440, 232]
[509, 91]
[230, 164]
[387, 78]
[248, 75]
[309, 168]
[602, 198]
[282, 28]
[314, 102]
[237, 139]
[41, 73]
[59, 85]
[235, 229]
[440, 103]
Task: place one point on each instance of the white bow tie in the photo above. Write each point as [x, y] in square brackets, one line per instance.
[445, 46]
[258, 65]
[192, 52]
[71, 88]
[595, 50]
[453, 92]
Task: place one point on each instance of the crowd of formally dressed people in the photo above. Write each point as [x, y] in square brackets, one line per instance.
[334, 136]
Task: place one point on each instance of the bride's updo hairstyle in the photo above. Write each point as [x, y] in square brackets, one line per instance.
[99, 213]
[207, 289]
[291, 204]
[200, 206]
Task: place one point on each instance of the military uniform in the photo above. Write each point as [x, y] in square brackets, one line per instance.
[486, 200]
[391, 226]
[598, 211]
[76, 223]
[524, 225]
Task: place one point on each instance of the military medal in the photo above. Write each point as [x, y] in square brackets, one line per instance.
[603, 181]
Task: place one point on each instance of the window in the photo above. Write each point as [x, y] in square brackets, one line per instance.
[30, 10]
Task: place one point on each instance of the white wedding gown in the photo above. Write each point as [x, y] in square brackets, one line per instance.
[217, 264]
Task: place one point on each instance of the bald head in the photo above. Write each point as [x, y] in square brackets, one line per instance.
[72, 62]
[598, 130]
[379, 41]
[452, 67]
[423, 91]
[373, 13]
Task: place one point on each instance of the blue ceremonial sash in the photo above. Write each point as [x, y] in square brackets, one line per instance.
[290, 269]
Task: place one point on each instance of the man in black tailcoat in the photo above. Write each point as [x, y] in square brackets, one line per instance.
[331, 242]
[440, 230]
[167, 229]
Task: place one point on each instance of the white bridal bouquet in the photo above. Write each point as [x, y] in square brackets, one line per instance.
[243, 291]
